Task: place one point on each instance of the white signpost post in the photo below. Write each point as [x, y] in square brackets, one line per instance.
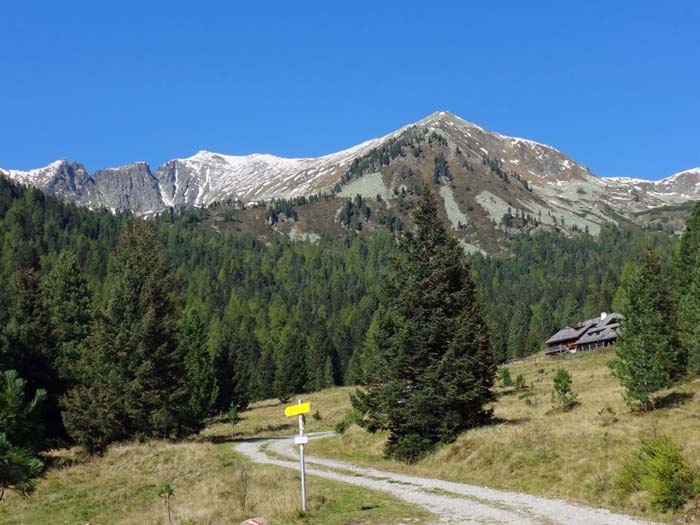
[298, 410]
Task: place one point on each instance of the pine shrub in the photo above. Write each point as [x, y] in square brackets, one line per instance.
[563, 396]
[659, 468]
[232, 415]
[506, 379]
[607, 416]
[350, 418]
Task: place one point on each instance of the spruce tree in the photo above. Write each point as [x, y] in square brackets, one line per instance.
[68, 304]
[687, 273]
[689, 322]
[133, 377]
[290, 369]
[517, 334]
[540, 327]
[686, 257]
[21, 433]
[30, 344]
[319, 359]
[435, 367]
[199, 366]
[236, 351]
[328, 376]
[645, 356]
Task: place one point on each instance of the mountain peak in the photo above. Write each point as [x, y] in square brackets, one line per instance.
[444, 117]
[691, 171]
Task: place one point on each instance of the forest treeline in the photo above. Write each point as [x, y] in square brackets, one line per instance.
[550, 281]
[239, 318]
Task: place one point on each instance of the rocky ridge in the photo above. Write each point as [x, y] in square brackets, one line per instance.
[486, 180]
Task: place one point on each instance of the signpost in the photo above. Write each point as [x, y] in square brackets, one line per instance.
[301, 440]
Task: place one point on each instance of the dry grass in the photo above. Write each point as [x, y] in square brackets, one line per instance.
[266, 418]
[212, 484]
[574, 455]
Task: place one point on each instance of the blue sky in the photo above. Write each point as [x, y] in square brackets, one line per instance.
[615, 85]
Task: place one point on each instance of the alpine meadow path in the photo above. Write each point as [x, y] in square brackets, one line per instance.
[452, 503]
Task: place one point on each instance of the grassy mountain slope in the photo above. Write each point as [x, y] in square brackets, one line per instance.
[212, 484]
[574, 455]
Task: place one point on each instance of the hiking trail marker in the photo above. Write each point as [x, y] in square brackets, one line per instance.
[299, 410]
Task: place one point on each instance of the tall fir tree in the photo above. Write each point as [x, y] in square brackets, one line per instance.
[133, 377]
[686, 256]
[30, 344]
[518, 333]
[645, 358]
[290, 369]
[432, 341]
[687, 276]
[689, 321]
[68, 303]
[236, 352]
[199, 366]
[319, 359]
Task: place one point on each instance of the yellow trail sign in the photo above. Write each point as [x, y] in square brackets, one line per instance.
[295, 410]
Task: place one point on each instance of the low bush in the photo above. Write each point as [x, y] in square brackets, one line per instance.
[232, 415]
[351, 417]
[659, 468]
[505, 377]
[563, 396]
[607, 416]
[530, 397]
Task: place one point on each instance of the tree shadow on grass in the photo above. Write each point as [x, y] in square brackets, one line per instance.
[673, 399]
[55, 462]
[510, 422]
[247, 436]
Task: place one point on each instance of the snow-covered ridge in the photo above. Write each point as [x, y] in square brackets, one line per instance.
[206, 176]
[527, 142]
[666, 180]
[36, 177]
[626, 180]
[686, 173]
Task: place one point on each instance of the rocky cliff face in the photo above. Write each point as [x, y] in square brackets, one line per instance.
[131, 187]
[484, 178]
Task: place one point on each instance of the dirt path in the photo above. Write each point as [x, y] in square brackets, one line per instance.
[454, 503]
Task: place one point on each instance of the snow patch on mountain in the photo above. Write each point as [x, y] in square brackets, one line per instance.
[207, 177]
[36, 177]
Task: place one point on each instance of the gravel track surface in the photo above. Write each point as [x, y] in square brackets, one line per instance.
[453, 503]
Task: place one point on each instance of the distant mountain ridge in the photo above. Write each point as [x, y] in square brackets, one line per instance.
[487, 180]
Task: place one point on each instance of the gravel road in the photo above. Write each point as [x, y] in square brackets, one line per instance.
[453, 503]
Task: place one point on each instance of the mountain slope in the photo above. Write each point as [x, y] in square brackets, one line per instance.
[488, 182]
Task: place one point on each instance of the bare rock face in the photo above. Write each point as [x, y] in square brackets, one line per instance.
[131, 187]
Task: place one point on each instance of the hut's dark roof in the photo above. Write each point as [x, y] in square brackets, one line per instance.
[590, 331]
[599, 334]
[570, 333]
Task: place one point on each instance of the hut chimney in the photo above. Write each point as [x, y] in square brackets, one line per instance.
[603, 315]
